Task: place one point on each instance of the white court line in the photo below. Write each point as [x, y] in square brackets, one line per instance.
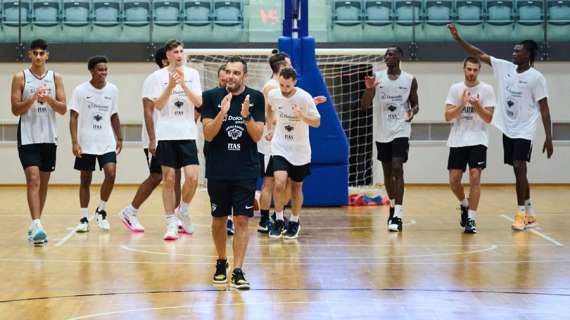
[538, 233]
[430, 255]
[70, 234]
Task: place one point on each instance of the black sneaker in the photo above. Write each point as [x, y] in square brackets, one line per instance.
[464, 215]
[293, 230]
[391, 215]
[277, 229]
[220, 276]
[230, 227]
[470, 226]
[264, 224]
[285, 221]
[238, 280]
[395, 224]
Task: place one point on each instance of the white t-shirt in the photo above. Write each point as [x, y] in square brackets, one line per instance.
[291, 134]
[392, 101]
[176, 120]
[95, 108]
[264, 146]
[37, 125]
[469, 129]
[517, 110]
[146, 92]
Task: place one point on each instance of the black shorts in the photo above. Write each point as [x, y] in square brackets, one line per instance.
[265, 172]
[227, 197]
[475, 156]
[397, 148]
[41, 155]
[87, 161]
[152, 161]
[296, 173]
[177, 153]
[516, 150]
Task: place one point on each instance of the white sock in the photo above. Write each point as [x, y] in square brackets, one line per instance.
[84, 212]
[171, 218]
[528, 207]
[279, 215]
[398, 210]
[294, 218]
[36, 222]
[102, 205]
[230, 217]
[131, 209]
[471, 214]
[522, 209]
[465, 203]
[183, 208]
[392, 203]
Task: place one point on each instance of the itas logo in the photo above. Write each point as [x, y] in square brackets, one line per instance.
[178, 104]
[98, 117]
[234, 147]
[510, 103]
[392, 108]
[289, 128]
[96, 125]
[234, 133]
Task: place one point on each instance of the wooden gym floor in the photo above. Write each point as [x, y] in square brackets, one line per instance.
[345, 264]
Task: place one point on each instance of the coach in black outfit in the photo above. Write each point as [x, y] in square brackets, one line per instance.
[233, 119]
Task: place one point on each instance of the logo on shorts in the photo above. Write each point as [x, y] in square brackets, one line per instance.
[248, 207]
[214, 207]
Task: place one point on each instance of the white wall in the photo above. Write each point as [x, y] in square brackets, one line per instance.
[427, 162]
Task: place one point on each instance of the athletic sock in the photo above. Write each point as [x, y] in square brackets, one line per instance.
[528, 207]
[522, 209]
[265, 213]
[465, 203]
[398, 211]
[279, 215]
[471, 214]
[84, 212]
[183, 206]
[294, 218]
[171, 218]
[130, 209]
[102, 205]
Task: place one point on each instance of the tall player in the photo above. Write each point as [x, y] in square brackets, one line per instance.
[233, 123]
[95, 136]
[37, 94]
[294, 111]
[469, 106]
[394, 93]
[522, 99]
[176, 91]
[129, 214]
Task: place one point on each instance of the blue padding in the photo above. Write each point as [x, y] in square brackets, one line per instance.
[328, 183]
[326, 186]
[328, 142]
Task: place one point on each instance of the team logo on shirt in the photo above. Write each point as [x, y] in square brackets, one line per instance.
[289, 128]
[96, 125]
[234, 132]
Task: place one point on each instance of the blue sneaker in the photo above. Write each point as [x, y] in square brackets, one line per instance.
[38, 235]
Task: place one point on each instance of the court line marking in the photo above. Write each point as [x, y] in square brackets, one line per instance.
[199, 306]
[71, 233]
[490, 248]
[538, 233]
[326, 263]
[322, 289]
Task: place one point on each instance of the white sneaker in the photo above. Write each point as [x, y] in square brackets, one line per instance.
[184, 217]
[102, 220]
[83, 226]
[130, 221]
[171, 232]
[38, 235]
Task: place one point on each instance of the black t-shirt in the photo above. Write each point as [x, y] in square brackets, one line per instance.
[232, 154]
